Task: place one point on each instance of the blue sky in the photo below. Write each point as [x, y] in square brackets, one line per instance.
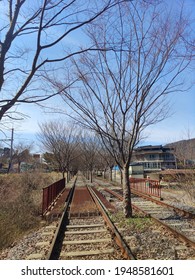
[175, 128]
[179, 126]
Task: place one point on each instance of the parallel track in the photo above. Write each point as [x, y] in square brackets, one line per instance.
[181, 223]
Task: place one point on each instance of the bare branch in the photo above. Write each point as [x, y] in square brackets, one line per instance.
[41, 28]
[122, 91]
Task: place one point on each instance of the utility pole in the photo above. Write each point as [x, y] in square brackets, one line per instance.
[11, 149]
[11, 152]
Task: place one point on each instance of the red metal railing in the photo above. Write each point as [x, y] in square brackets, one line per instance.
[147, 186]
[50, 193]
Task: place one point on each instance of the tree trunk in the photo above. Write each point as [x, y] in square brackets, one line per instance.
[91, 176]
[110, 174]
[19, 167]
[121, 176]
[127, 208]
[104, 176]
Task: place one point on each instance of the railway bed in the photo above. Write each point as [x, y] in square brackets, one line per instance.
[178, 221]
[85, 234]
[84, 230]
[142, 235]
[89, 239]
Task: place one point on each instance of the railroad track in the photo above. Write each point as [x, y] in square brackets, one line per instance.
[84, 230]
[154, 226]
[180, 222]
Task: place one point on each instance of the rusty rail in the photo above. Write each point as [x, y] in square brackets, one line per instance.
[50, 194]
[51, 255]
[147, 186]
[126, 251]
[177, 233]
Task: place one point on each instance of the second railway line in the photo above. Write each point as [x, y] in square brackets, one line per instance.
[169, 221]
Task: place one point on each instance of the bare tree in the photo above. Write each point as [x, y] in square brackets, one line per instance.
[184, 151]
[106, 161]
[22, 154]
[123, 91]
[33, 43]
[184, 176]
[89, 147]
[62, 141]
[50, 160]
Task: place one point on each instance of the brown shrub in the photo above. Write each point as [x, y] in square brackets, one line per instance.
[20, 204]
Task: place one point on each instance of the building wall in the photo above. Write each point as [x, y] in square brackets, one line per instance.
[136, 171]
[154, 158]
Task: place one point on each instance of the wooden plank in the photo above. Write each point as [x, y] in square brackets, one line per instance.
[188, 230]
[77, 242]
[43, 243]
[85, 226]
[174, 224]
[181, 247]
[51, 227]
[47, 233]
[87, 253]
[85, 231]
[35, 257]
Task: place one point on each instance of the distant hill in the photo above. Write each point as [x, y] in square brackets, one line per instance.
[188, 141]
[185, 149]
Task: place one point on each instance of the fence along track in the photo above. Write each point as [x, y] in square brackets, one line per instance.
[146, 186]
[94, 231]
[50, 195]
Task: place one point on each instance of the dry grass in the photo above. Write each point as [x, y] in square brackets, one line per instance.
[184, 183]
[20, 204]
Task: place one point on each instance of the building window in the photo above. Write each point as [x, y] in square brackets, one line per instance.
[152, 156]
[152, 165]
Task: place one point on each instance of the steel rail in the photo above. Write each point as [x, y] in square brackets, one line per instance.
[177, 233]
[115, 233]
[178, 210]
[61, 225]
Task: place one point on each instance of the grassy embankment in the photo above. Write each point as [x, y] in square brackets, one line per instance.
[20, 204]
